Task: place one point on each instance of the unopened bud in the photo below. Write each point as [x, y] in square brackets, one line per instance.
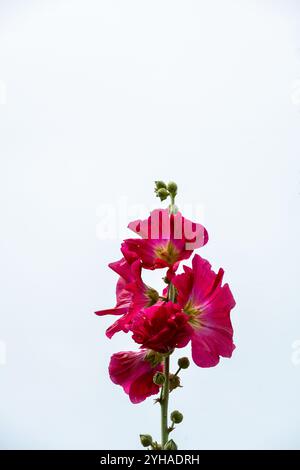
[183, 362]
[152, 295]
[156, 446]
[159, 378]
[176, 417]
[153, 357]
[160, 184]
[146, 440]
[162, 193]
[174, 382]
[172, 188]
[170, 445]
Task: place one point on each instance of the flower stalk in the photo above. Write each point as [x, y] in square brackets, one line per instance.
[195, 310]
[164, 402]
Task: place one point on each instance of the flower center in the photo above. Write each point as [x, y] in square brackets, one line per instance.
[194, 314]
[167, 253]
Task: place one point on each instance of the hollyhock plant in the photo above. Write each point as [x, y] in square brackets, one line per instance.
[193, 308]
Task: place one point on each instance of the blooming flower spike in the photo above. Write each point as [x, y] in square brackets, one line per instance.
[194, 308]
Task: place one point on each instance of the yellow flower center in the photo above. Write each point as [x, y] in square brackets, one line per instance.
[167, 253]
[194, 314]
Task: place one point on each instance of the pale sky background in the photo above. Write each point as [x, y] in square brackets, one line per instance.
[97, 100]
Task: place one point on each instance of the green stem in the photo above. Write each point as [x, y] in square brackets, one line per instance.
[172, 207]
[164, 404]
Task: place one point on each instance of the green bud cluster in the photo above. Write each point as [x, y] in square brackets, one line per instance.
[163, 190]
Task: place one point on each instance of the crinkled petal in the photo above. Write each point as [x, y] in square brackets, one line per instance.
[162, 328]
[123, 268]
[184, 284]
[208, 304]
[142, 388]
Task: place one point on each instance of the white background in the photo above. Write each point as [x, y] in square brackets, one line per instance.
[98, 99]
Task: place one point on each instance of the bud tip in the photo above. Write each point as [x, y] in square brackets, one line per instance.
[146, 440]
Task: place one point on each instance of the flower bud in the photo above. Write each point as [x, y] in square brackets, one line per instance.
[146, 440]
[170, 445]
[152, 295]
[160, 184]
[153, 357]
[174, 382]
[155, 446]
[172, 188]
[183, 362]
[162, 193]
[176, 417]
[159, 378]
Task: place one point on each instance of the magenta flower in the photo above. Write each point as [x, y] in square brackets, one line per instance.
[194, 308]
[131, 293]
[134, 371]
[208, 305]
[166, 239]
[162, 328]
